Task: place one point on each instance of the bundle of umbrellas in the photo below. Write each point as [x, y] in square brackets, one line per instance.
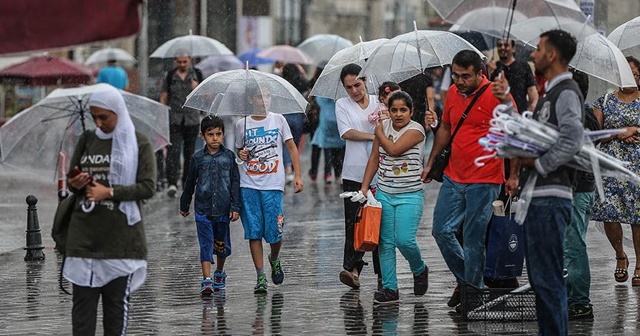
[514, 135]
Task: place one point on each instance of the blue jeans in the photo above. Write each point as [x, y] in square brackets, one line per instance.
[469, 203]
[544, 231]
[401, 215]
[576, 260]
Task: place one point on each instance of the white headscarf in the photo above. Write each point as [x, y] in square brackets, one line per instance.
[124, 146]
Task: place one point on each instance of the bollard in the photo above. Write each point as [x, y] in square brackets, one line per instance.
[34, 237]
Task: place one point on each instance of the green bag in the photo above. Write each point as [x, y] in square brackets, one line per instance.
[61, 222]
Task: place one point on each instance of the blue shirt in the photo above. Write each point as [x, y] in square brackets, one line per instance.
[216, 181]
[114, 75]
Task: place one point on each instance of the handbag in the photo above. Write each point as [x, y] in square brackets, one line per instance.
[505, 246]
[441, 160]
[61, 222]
[366, 233]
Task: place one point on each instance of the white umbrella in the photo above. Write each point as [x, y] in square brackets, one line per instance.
[626, 37]
[193, 45]
[215, 64]
[110, 54]
[328, 84]
[322, 47]
[529, 30]
[597, 56]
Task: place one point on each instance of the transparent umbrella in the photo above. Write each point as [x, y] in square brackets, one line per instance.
[529, 30]
[597, 56]
[215, 64]
[286, 53]
[193, 45]
[407, 55]
[626, 37]
[328, 84]
[35, 138]
[322, 47]
[488, 20]
[107, 54]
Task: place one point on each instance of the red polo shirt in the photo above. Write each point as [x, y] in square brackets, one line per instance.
[465, 148]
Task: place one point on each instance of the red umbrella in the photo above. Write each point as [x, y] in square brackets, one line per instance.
[46, 70]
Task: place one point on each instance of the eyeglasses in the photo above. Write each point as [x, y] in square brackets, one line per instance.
[464, 77]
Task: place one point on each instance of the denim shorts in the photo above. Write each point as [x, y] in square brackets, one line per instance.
[213, 236]
[262, 215]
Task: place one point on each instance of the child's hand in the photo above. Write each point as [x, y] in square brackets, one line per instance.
[297, 184]
[431, 119]
[243, 154]
[234, 216]
[184, 213]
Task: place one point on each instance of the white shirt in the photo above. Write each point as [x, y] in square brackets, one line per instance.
[95, 273]
[264, 139]
[350, 116]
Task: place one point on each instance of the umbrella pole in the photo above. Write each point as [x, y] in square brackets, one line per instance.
[510, 19]
[82, 115]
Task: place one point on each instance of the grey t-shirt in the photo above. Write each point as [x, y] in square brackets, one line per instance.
[179, 90]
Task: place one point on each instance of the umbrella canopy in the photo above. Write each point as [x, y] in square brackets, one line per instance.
[287, 54]
[35, 137]
[407, 55]
[251, 57]
[597, 56]
[328, 84]
[46, 70]
[193, 45]
[225, 93]
[215, 64]
[110, 54]
[322, 47]
[529, 30]
[626, 37]
[475, 14]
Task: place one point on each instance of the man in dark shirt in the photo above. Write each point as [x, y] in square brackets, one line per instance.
[518, 74]
[183, 121]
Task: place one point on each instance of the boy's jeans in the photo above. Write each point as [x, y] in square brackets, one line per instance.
[576, 260]
[469, 203]
[544, 231]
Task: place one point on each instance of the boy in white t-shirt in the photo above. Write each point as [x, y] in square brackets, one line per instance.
[259, 140]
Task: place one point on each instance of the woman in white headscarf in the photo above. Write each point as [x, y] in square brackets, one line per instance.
[106, 246]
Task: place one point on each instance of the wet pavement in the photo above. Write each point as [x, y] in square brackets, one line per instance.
[310, 301]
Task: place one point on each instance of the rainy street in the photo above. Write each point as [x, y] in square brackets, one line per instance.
[310, 301]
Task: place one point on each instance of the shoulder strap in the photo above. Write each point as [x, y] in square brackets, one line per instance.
[199, 74]
[466, 112]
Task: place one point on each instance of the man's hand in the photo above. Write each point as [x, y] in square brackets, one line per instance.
[184, 213]
[511, 187]
[501, 89]
[234, 216]
[425, 172]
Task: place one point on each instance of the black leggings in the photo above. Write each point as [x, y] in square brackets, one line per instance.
[352, 258]
[115, 307]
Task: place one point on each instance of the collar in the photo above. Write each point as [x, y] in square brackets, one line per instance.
[557, 79]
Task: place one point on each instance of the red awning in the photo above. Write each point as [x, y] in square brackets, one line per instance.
[46, 70]
[44, 24]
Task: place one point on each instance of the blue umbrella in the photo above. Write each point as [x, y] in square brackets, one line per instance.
[251, 56]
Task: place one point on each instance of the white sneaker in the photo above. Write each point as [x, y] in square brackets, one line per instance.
[172, 191]
[289, 178]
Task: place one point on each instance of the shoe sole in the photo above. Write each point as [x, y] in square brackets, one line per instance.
[280, 282]
[172, 193]
[260, 291]
[349, 279]
[386, 302]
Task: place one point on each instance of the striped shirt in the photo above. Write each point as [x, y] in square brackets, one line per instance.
[401, 174]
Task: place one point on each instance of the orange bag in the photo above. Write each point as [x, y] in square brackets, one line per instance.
[367, 228]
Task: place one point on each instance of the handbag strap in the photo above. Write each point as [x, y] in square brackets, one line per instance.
[466, 112]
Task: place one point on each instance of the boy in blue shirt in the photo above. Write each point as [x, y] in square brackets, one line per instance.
[214, 175]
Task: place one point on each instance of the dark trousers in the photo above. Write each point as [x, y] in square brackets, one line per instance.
[183, 140]
[352, 258]
[115, 307]
[333, 157]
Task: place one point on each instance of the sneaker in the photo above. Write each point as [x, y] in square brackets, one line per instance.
[350, 279]
[313, 177]
[277, 273]
[172, 191]
[386, 296]
[581, 312]
[261, 284]
[289, 178]
[455, 297]
[219, 280]
[206, 286]
[328, 179]
[421, 282]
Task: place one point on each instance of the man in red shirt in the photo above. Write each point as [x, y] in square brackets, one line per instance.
[467, 190]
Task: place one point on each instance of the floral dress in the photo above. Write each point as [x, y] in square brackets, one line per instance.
[622, 198]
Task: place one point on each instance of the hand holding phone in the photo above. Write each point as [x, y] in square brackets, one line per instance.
[73, 173]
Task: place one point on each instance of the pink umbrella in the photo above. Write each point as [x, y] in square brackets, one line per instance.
[287, 54]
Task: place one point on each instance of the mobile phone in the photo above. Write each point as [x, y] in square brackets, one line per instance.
[75, 172]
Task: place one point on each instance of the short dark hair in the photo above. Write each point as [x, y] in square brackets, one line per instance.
[349, 69]
[467, 58]
[210, 122]
[563, 42]
[583, 81]
[401, 95]
[635, 61]
[513, 43]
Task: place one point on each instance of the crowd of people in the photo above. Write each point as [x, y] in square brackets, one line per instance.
[386, 144]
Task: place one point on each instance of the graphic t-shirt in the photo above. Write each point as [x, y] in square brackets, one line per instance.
[401, 174]
[264, 139]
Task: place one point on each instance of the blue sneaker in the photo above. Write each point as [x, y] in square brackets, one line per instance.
[206, 286]
[219, 280]
[277, 273]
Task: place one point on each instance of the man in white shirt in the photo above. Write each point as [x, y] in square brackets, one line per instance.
[352, 114]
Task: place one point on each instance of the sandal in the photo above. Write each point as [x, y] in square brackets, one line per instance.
[635, 281]
[621, 274]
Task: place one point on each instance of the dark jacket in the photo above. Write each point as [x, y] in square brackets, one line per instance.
[216, 181]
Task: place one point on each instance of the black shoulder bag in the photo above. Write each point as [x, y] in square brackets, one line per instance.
[441, 161]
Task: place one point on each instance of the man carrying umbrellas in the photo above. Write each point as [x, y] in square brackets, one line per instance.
[183, 121]
[467, 190]
[547, 183]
